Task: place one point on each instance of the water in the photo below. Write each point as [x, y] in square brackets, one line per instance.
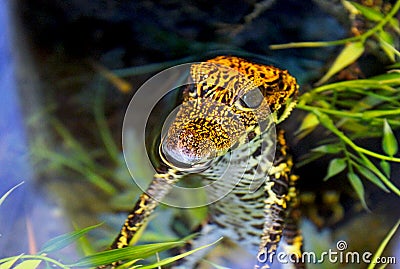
[14, 162]
[27, 217]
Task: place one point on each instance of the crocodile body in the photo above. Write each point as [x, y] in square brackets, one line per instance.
[222, 131]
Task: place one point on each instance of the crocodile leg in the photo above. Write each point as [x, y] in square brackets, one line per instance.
[279, 192]
[159, 187]
[147, 202]
[293, 240]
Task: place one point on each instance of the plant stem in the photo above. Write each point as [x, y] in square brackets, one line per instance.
[373, 115]
[330, 111]
[385, 20]
[361, 38]
[358, 83]
[328, 123]
[382, 246]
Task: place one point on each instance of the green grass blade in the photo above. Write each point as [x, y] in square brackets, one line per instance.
[180, 256]
[97, 180]
[384, 178]
[309, 123]
[35, 258]
[84, 245]
[64, 240]
[385, 168]
[8, 263]
[28, 264]
[347, 56]
[104, 129]
[71, 142]
[9, 192]
[130, 265]
[128, 253]
[374, 15]
[389, 142]
[368, 12]
[386, 42]
[382, 246]
[328, 149]
[390, 79]
[327, 122]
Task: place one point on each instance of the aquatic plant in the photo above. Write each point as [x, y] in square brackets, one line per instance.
[356, 109]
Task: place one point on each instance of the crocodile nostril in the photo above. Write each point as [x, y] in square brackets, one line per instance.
[184, 151]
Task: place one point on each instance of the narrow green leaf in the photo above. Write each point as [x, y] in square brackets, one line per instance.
[103, 127]
[368, 174]
[385, 179]
[331, 149]
[128, 253]
[327, 122]
[389, 142]
[367, 12]
[130, 264]
[391, 79]
[355, 181]
[7, 265]
[387, 44]
[347, 56]
[28, 264]
[363, 161]
[335, 167]
[180, 256]
[383, 245]
[385, 167]
[9, 192]
[84, 245]
[10, 263]
[308, 124]
[81, 153]
[374, 15]
[31, 260]
[379, 113]
[64, 240]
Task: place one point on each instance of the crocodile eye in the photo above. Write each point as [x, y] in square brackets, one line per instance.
[191, 89]
[252, 99]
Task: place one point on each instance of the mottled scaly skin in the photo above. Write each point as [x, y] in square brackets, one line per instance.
[225, 121]
[158, 188]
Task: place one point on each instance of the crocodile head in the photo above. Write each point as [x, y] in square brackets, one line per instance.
[226, 99]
